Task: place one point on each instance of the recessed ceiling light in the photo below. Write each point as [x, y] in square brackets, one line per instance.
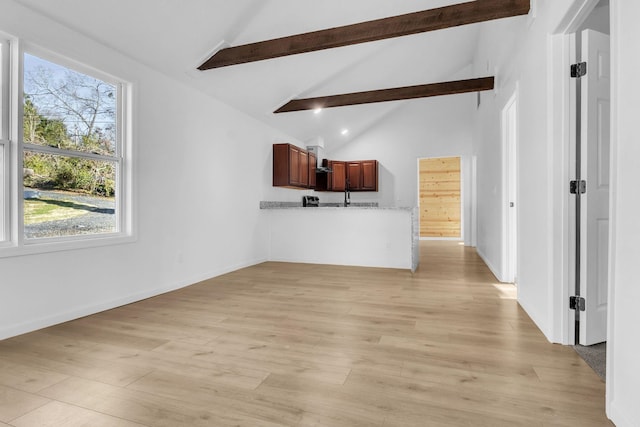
[345, 131]
[317, 110]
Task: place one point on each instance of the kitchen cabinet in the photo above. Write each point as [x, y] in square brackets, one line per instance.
[293, 167]
[336, 178]
[354, 175]
[369, 175]
[362, 175]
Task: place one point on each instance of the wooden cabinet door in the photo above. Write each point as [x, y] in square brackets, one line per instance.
[369, 175]
[354, 175]
[338, 176]
[293, 167]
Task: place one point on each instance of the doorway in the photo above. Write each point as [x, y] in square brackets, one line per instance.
[440, 198]
[589, 199]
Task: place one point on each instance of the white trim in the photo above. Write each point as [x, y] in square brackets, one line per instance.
[45, 245]
[5, 143]
[575, 16]
[15, 135]
[474, 201]
[14, 330]
[496, 272]
[15, 244]
[4, 191]
[45, 149]
[5, 56]
[509, 173]
[560, 136]
[613, 411]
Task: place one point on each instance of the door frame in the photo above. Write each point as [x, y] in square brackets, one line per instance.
[510, 189]
[561, 134]
[464, 164]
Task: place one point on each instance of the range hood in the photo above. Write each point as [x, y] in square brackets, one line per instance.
[316, 146]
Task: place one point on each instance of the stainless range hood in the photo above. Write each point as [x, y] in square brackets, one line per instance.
[316, 146]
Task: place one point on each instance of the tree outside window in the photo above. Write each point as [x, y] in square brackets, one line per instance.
[71, 156]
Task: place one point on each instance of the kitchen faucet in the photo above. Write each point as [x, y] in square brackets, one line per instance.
[347, 193]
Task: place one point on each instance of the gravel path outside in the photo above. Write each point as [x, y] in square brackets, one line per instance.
[101, 219]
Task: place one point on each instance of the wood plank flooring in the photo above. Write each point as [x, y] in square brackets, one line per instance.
[306, 345]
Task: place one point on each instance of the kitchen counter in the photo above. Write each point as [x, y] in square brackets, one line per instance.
[295, 205]
[360, 234]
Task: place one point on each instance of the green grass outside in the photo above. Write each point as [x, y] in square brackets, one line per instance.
[44, 210]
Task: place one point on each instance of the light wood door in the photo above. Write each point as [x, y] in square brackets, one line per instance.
[440, 197]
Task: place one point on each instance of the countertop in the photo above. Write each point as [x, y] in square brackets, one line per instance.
[328, 206]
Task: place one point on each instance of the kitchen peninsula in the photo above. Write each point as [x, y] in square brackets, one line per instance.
[367, 236]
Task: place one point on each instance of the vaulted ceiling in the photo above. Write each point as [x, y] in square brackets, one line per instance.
[175, 37]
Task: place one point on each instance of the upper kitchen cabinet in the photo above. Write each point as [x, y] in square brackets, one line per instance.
[293, 167]
[336, 178]
[369, 175]
[354, 175]
[362, 175]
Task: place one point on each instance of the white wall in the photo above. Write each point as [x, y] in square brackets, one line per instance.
[521, 62]
[432, 127]
[520, 51]
[623, 369]
[543, 176]
[201, 170]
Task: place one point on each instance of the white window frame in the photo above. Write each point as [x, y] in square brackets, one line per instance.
[15, 244]
[4, 192]
[5, 154]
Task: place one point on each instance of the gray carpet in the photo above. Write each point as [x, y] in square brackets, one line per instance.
[595, 356]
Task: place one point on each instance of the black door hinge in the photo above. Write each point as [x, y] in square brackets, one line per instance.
[575, 187]
[578, 70]
[577, 303]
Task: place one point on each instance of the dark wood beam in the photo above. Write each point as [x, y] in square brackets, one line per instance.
[396, 26]
[384, 95]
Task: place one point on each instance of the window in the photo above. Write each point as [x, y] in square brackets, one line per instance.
[64, 154]
[70, 152]
[3, 207]
[4, 140]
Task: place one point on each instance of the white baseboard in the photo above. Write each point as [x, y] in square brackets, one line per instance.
[619, 417]
[494, 270]
[46, 321]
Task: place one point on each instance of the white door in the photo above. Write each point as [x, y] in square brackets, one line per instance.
[594, 234]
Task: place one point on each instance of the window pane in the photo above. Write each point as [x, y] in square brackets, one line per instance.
[68, 196]
[67, 109]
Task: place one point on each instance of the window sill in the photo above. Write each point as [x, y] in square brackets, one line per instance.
[42, 246]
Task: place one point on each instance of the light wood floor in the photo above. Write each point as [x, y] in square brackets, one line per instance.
[303, 345]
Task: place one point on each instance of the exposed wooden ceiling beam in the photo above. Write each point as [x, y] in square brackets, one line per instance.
[383, 95]
[396, 26]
